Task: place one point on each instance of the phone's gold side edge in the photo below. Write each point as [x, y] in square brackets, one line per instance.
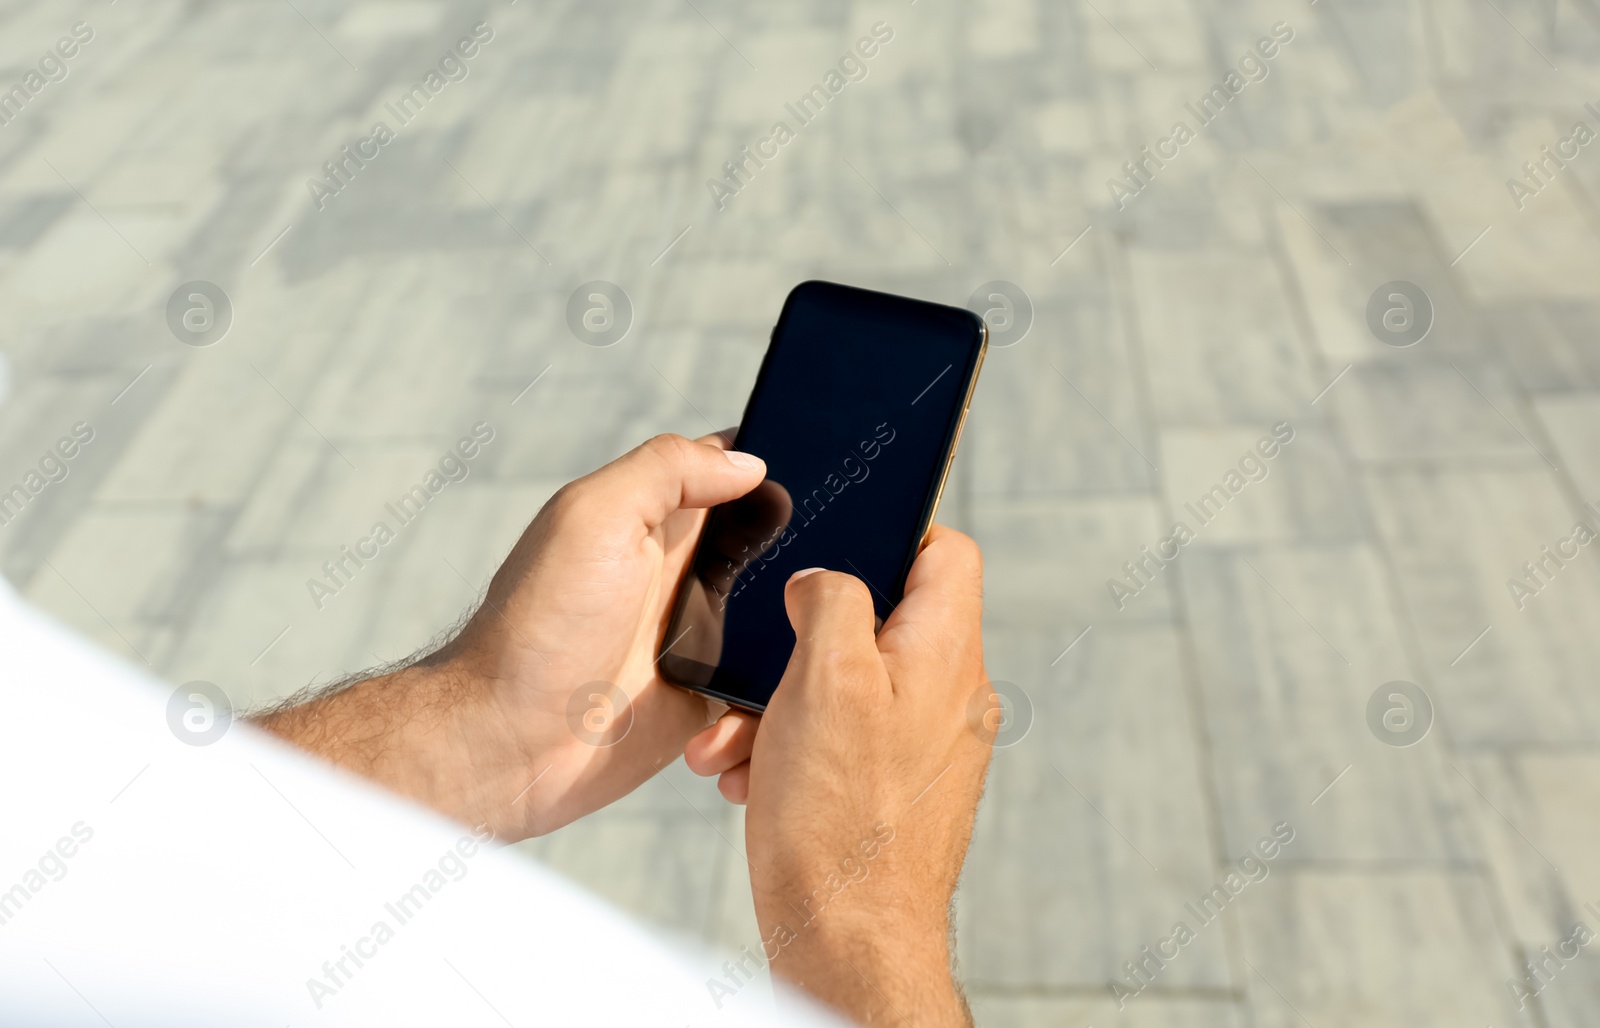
[955, 443]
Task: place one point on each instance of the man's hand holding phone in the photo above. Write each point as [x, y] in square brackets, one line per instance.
[865, 732]
[495, 727]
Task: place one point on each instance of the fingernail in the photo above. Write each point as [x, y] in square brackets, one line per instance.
[801, 574]
[747, 461]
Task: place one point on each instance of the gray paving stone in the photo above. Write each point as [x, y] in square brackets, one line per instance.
[1567, 998]
[1057, 413]
[1101, 799]
[1434, 409]
[1205, 365]
[1572, 423]
[1290, 645]
[659, 867]
[997, 1010]
[1444, 964]
[1549, 344]
[1304, 493]
[1531, 809]
[1457, 541]
[1049, 561]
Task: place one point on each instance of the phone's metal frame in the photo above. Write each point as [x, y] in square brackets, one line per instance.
[950, 451]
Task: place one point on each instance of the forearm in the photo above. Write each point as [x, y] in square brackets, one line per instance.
[409, 730]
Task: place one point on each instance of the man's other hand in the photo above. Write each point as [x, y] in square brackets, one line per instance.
[862, 779]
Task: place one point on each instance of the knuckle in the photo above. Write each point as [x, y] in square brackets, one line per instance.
[566, 501]
[668, 447]
[845, 669]
[838, 587]
[833, 591]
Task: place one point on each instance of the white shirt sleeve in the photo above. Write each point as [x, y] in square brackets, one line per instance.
[145, 880]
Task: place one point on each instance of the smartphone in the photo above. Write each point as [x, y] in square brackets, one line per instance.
[857, 410]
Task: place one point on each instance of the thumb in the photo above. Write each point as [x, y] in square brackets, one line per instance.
[833, 624]
[668, 473]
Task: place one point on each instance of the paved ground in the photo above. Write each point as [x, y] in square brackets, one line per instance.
[1229, 294]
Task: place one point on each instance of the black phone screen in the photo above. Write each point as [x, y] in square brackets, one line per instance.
[855, 411]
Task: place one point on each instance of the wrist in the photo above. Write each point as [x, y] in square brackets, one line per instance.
[875, 964]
